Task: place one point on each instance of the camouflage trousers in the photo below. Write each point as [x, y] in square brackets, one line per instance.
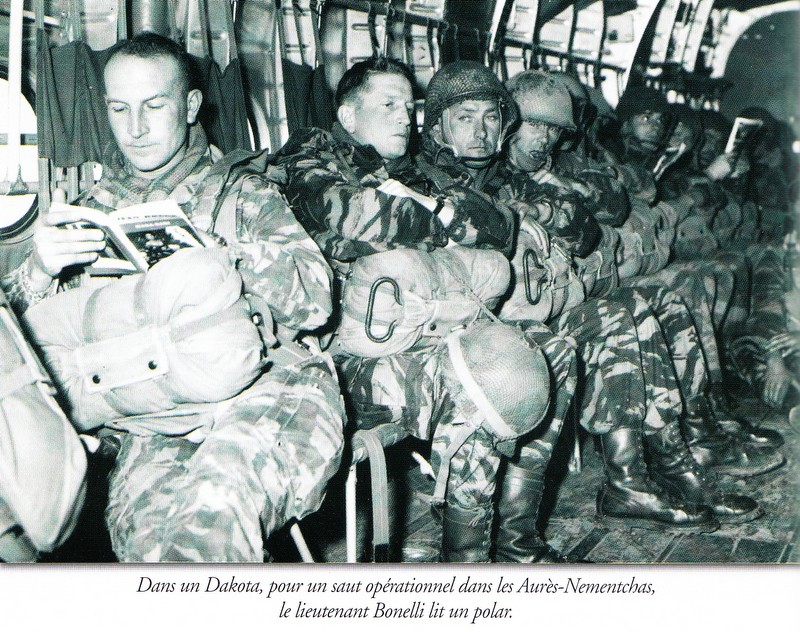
[414, 389]
[683, 339]
[611, 393]
[739, 309]
[536, 448]
[724, 267]
[701, 293]
[663, 395]
[267, 459]
[767, 330]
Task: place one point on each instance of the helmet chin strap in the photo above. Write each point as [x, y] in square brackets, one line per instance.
[446, 122]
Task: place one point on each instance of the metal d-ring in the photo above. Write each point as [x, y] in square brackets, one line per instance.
[528, 257]
[371, 304]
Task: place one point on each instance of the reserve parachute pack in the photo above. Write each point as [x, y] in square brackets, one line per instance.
[42, 460]
[181, 333]
[391, 299]
[544, 287]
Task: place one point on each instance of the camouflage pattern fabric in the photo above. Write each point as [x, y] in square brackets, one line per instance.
[415, 389]
[678, 326]
[561, 212]
[332, 184]
[608, 200]
[663, 401]
[268, 237]
[706, 292]
[739, 308]
[268, 459]
[772, 327]
[706, 287]
[537, 447]
[271, 449]
[612, 394]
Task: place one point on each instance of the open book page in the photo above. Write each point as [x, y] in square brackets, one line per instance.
[742, 129]
[139, 236]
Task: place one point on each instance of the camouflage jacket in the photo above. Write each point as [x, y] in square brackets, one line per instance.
[562, 213]
[570, 218]
[276, 256]
[332, 184]
[608, 200]
[635, 167]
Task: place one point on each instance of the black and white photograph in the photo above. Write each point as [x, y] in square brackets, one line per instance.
[464, 312]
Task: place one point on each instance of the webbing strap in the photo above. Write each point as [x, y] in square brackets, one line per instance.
[316, 14]
[90, 320]
[476, 393]
[122, 20]
[443, 475]
[181, 332]
[380, 496]
[297, 14]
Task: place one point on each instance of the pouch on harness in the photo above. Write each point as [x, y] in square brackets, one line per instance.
[391, 299]
[544, 287]
[180, 333]
[42, 460]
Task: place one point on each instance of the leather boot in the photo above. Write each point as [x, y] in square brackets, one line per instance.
[518, 539]
[629, 494]
[422, 522]
[712, 448]
[741, 429]
[674, 469]
[466, 533]
[750, 434]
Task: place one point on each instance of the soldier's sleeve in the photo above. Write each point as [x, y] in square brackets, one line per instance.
[279, 260]
[561, 213]
[637, 181]
[480, 221]
[609, 201]
[16, 286]
[347, 219]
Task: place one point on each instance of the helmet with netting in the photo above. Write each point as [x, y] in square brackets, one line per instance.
[466, 81]
[506, 378]
[541, 98]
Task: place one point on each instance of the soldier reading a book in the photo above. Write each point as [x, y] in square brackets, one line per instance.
[201, 481]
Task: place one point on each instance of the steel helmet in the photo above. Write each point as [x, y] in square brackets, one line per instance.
[462, 81]
[541, 98]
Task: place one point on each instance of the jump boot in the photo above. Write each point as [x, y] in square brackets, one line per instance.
[629, 495]
[674, 469]
[422, 521]
[466, 533]
[518, 539]
[715, 449]
[741, 429]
